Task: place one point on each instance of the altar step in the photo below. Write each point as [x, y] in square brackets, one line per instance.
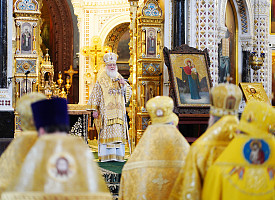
[112, 180]
[111, 172]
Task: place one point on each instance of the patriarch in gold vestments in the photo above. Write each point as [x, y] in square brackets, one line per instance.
[58, 166]
[107, 101]
[225, 99]
[246, 168]
[151, 171]
[13, 157]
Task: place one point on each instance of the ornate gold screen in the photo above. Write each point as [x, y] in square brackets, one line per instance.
[146, 62]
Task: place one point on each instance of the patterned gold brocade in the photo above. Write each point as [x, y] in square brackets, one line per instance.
[113, 139]
[67, 196]
[14, 156]
[111, 157]
[154, 163]
[115, 121]
[237, 175]
[203, 153]
[151, 170]
[113, 98]
[43, 171]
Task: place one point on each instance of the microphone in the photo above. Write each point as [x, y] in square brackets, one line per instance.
[27, 72]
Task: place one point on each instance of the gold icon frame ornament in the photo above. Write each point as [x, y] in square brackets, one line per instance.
[183, 87]
[254, 92]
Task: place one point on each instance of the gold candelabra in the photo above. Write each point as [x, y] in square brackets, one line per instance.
[68, 85]
[47, 85]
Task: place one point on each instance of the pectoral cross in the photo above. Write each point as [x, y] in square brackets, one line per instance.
[71, 72]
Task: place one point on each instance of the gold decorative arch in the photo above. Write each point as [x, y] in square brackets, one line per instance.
[115, 35]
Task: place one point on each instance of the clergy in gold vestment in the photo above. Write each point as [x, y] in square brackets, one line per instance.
[58, 166]
[13, 157]
[225, 99]
[246, 168]
[107, 101]
[151, 170]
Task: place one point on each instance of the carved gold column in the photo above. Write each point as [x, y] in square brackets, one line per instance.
[146, 43]
[26, 55]
[149, 60]
[18, 24]
[133, 70]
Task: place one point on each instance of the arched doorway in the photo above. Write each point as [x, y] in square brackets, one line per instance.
[119, 38]
[57, 32]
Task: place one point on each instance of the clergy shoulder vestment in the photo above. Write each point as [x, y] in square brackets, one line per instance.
[225, 99]
[58, 166]
[107, 98]
[245, 170]
[152, 169]
[203, 152]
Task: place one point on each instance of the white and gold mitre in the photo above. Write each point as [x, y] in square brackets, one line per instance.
[110, 58]
[160, 109]
[244, 170]
[225, 99]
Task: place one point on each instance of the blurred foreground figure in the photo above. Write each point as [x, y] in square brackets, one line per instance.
[246, 168]
[225, 99]
[58, 166]
[13, 157]
[151, 171]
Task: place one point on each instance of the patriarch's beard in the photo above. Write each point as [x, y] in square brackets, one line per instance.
[112, 73]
